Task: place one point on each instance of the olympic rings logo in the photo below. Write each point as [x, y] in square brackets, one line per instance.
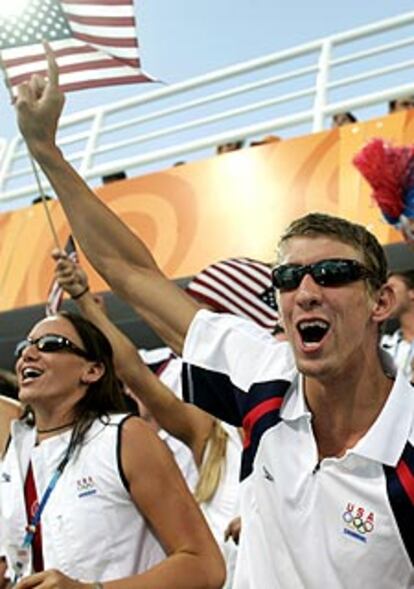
[357, 522]
[85, 484]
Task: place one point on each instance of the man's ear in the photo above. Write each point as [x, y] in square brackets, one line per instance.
[92, 373]
[384, 303]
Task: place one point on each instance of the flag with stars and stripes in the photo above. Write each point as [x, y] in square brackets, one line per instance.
[94, 42]
[55, 297]
[240, 286]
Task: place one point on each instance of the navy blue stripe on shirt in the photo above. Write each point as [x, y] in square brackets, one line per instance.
[256, 410]
[215, 393]
[400, 489]
[212, 391]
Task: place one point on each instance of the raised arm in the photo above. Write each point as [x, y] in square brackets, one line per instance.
[183, 421]
[116, 253]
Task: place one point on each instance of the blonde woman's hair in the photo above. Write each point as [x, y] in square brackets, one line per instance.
[213, 464]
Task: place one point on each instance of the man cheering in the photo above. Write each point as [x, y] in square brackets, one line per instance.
[328, 489]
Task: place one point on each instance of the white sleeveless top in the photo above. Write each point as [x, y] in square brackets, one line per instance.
[91, 529]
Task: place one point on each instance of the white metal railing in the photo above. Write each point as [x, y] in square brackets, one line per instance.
[289, 93]
[3, 146]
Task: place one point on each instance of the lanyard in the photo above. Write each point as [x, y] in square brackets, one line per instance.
[31, 528]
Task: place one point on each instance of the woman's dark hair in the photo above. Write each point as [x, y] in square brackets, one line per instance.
[102, 397]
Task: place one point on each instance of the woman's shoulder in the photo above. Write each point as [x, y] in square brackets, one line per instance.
[125, 425]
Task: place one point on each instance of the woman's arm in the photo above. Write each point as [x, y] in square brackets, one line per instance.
[193, 559]
[182, 420]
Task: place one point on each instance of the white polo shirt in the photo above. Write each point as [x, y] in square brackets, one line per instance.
[346, 523]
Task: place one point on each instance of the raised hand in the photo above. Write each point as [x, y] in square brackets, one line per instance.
[39, 104]
[70, 276]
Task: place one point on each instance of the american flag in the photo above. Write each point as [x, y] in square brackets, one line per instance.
[55, 297]
[94, 42]
[240, 286]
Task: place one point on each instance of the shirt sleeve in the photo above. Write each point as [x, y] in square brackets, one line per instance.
[231, 365]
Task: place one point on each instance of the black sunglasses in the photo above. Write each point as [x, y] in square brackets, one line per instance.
[50, 343]
[331, 272]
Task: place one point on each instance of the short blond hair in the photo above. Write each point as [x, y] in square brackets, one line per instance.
[353, 234]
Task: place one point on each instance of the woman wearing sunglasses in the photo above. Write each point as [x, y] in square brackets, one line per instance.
[215, 447]
[88, 494]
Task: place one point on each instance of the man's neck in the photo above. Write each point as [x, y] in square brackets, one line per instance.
[344, 410]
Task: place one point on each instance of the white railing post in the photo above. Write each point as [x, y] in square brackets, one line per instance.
[8, 154]
[3, 143]
[322, 80]
[87, 160]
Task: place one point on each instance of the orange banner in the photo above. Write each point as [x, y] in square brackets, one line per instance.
[235, 204]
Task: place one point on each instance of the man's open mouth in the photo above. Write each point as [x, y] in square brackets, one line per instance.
[312, 331]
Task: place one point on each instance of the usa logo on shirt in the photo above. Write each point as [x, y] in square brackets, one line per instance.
[359, 522]
[86, 486]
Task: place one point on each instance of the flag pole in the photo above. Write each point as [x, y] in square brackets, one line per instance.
[33, 164]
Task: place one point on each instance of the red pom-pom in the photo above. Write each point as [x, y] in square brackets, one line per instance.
[386, 168]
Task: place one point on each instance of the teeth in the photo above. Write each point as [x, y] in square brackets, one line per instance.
[315, 323]
[312, 331]
[31, 373]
